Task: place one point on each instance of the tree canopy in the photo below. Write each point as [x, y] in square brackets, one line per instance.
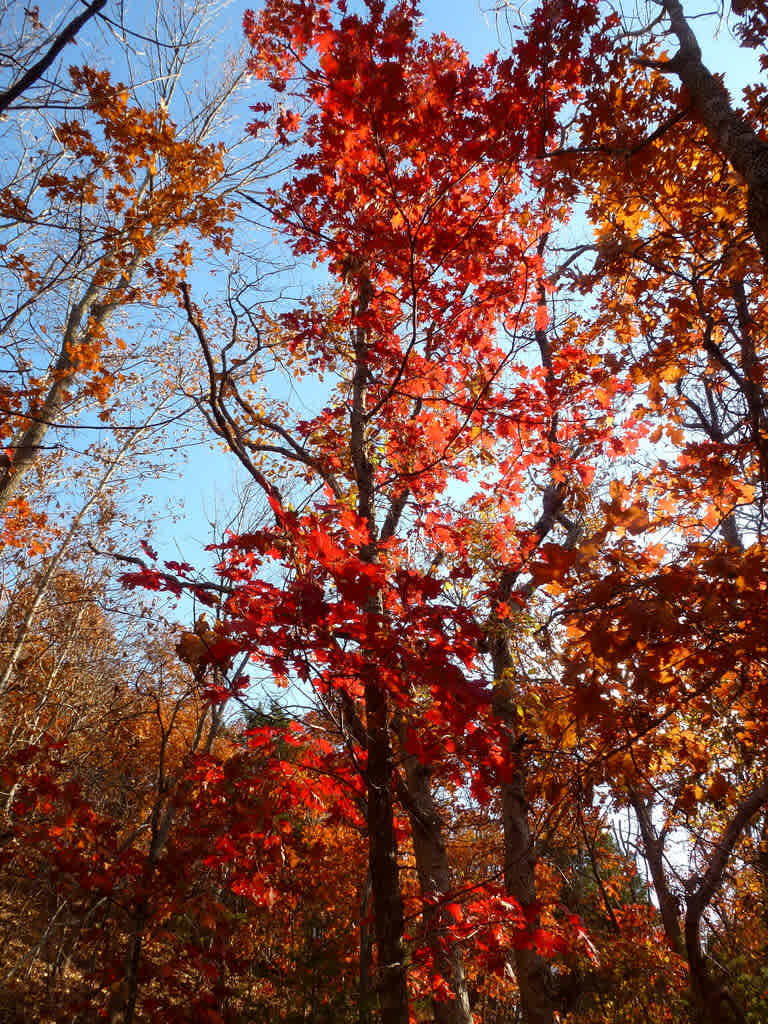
[463, 717]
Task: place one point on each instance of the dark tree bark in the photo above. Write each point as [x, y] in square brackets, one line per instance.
[389, 923]
[653, 847]
[433, 870]
[736, 138]
[364, 992]
[38, 69]
[712, 1002]
[534, 977]
[373, 733]
[533, 974]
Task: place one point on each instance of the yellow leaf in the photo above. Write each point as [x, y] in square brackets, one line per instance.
[672, 372]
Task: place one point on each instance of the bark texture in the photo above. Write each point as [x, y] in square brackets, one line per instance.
[389, 923]
[713, 1003]
[534, 977]
[736, 138]
[653, 847]
[433, 870]
[86, 320]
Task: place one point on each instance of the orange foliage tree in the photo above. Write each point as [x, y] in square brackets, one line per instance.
[664, 601]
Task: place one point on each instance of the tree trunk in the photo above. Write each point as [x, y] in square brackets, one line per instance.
[435, 881]
[736, 139]
[713, 1003]
[364, 992]
[385, 879]
[26, 445]
[39, 68]
[534, 978]
[654, 855]
[122, 1008]
[389, 923]
[122, 1005]
[86, 317]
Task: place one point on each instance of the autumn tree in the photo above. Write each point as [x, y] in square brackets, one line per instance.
[109, 184]
[100, 735]
[665, 648]
[99, 221]
[411, 187]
